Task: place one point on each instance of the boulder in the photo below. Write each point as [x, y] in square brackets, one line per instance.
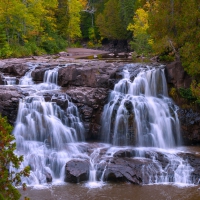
[134, 170]
[77, 170]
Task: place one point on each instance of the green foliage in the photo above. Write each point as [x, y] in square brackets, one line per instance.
[127, 9]
[175, 27]
[142, 42]
[166, 57]
[186, 93]
[195, 88]
[54, 44]
[9, 179]
[140, 45]
[110, 23]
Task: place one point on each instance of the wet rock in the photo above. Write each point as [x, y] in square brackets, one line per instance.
[194, 161]
[124, 153]
[134, 170]
[9, 101]
[38, 74]
[48, 177]
[1, 79]
[77, 171]
[90, 102]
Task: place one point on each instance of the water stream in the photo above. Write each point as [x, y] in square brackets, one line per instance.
[139, 117]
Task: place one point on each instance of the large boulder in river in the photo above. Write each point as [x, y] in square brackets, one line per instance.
[134, 170]
[77, 170]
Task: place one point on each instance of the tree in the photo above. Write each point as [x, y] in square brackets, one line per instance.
[110, 23]
[74, 9]
[8, 178]
[142, 42]
[127, 10]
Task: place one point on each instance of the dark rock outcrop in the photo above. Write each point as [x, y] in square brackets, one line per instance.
[90, 102]
[16, 69]
[9, 101]
[189, 119]
[77, 170]
[149, 167]
[134, 170]
[95, 75]
[1, 79]
[176, 75]
[190, 126]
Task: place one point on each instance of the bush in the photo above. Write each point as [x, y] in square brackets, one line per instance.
[187, 94]
[54, 44]
[9, 179]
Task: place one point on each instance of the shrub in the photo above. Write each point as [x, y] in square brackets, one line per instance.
[9, 179]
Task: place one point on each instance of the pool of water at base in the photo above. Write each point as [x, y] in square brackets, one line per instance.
[112, 191]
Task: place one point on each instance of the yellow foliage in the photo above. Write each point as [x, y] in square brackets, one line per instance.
[140, 25]
[84, 3]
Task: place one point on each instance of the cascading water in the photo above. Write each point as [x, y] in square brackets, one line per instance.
[139, 112]
[45, 134]
[9, 80]
[27, 79]
[50, 80]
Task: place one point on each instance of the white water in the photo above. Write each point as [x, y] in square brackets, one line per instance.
[139, 112]
[45, 134]
[9, 80]
[27, 79]
[49, 136]
[50, 80]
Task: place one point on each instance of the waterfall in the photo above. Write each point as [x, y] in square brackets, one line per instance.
[9, 80]
[139, 125]
[139, 112]
[27, 79]
[46, 135]
[50, 80]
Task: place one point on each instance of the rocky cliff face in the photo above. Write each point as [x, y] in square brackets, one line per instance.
[189, 118]
[88, 84]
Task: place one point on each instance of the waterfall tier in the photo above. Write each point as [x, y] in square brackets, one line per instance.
[140, 112]
[46, 134]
